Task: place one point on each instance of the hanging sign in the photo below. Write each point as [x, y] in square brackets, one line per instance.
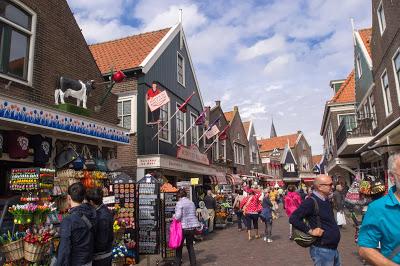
[158, 101]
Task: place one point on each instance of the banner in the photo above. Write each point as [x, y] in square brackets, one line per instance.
[212, 132]
[158, 101]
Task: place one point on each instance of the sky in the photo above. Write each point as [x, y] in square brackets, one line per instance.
[271, 58]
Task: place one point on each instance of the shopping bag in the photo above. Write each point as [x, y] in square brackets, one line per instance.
[175, 234]
[340, 218]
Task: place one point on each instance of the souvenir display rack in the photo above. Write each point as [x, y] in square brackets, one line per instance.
[148, 215]
[169, 200]
[125, 224]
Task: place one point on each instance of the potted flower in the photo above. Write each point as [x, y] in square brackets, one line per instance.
[37, 242]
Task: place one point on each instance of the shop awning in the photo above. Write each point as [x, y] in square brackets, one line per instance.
[213, 179]
[43, 117]
[291, 179]
[308, 179]
[273, 183]
[234, 179]
[221, 179]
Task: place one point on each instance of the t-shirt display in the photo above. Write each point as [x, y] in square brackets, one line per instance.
[17, 144]
[43, 147]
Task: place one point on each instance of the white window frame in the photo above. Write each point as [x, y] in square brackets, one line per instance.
[133, 99]
[372, 107]
[346, 114]
[184, 125]
[168, 140]
[331, 141]
[223, 148]
[359, 67]
[386, 97]
[32, 40]
[183, 69]
[215, 149]
[197, 128]
[380, 11]
[239, 153]
[396, 76]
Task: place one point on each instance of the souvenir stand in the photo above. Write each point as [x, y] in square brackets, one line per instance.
[224, 208]
[168, 202]
[125, 250]
[227, 204]
[31, 238]
[148, 215]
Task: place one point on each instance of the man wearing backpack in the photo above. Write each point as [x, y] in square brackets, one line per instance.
[318, 210]
[77, 230]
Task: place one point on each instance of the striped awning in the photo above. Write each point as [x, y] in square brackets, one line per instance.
[213, 179]
[221, 179]
[234, 179]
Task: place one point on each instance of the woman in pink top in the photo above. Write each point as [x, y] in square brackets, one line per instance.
[251, 206]
[292, 202]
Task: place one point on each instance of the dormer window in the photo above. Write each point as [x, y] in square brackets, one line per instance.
[381, 18]
[181, 69]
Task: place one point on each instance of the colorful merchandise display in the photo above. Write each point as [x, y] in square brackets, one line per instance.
[169, 200]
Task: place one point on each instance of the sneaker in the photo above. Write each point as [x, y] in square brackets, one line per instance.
[265, 239]
[269, 240]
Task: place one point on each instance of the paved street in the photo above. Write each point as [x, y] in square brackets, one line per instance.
[230, 247]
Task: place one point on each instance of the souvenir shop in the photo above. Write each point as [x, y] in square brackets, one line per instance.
[42, 152]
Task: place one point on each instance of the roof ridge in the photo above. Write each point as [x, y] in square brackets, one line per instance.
[130, 36]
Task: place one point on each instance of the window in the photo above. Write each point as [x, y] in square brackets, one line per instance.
[164, 114]
[330, 136]
[373, 110]
[222, 151]
[386, 93]
[17, 39]
[125, 113]
[181, 69]
[239, 154]
[350, 121]
[180, 127]
[194, 131]
[381, 18]
[359, 68]
[396, 66]
[214, 153]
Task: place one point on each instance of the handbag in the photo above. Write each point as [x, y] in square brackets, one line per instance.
[246, 205]
[175, 234]
[305, 240]
[90, 163]
[340, 218]
[65, 157]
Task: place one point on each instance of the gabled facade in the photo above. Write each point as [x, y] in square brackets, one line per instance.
[41, 41]
[254, 152]
[385, 49]
[240, 144]
[162, 57]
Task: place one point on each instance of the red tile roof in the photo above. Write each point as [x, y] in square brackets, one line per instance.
[277, 142]
[126, 53]
[347, 92]
[316, 159]
[366, 38]
[246, 126]
[229, 116]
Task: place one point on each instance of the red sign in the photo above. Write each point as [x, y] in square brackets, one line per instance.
[192, 154]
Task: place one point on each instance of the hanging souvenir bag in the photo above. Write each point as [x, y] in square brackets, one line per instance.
[353, 194]
[90, 163]
[101, 164]
[175, 234]
[79, 163]
[112, 162]
[65, 157]
[377, 187]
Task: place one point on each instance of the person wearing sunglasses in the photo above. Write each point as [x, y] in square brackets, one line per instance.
[324, 250]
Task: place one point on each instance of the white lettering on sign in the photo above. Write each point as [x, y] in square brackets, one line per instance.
[158, 101]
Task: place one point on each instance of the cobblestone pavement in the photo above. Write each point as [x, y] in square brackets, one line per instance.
[230, 247]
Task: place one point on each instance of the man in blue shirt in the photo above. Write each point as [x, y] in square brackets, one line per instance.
[380, 224]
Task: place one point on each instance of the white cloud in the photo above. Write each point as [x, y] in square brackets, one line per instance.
[279, 65]
[268, 46]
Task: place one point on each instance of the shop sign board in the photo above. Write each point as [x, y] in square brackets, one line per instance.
[194, 181]
[33, 115]
[193, 154]
[158, 101]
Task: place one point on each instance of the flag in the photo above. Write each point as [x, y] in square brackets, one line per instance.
[182, 107]
[213, 123]
[201, 119]
[212, 132]
[223, 135]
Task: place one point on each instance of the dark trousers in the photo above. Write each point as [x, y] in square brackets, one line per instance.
[252, 218]
[268, 228]
[239, 215]
[188, 235]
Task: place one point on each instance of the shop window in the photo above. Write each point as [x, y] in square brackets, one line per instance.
[381, 18]
[180, 127]
[17, 38]
[386, 93]
[181, 69]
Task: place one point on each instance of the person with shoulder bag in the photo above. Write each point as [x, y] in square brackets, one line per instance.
[320, 233]
[251, 207]
[238, 211]
[266, 217]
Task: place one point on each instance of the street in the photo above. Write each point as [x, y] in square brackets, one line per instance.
[230, 247]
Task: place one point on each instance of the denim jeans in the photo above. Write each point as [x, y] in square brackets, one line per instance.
[324, 256]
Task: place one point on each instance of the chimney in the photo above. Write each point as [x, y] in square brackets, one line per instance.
[299, 132]
[208, 108]
[235, 108]
[218, 103]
